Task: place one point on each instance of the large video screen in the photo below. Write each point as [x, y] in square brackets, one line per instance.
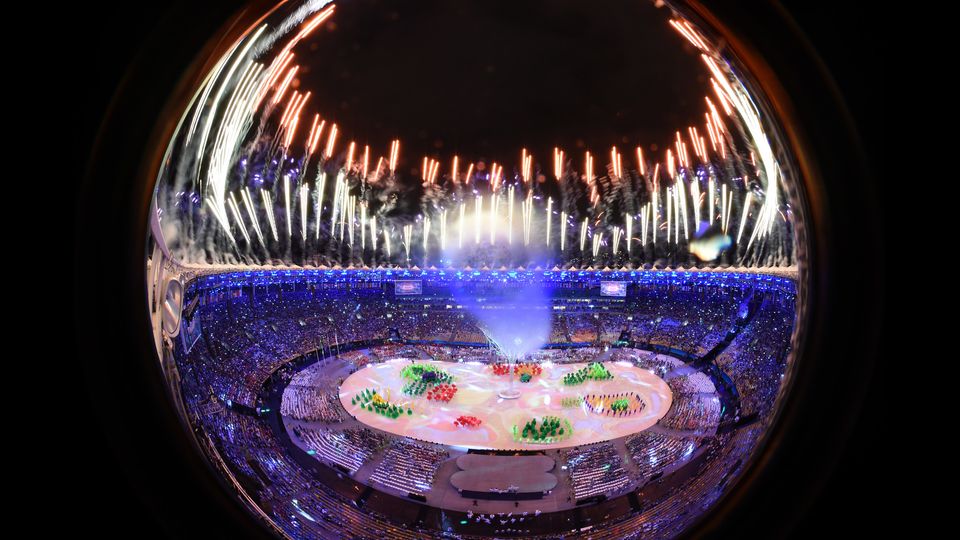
[613, 288]
[408, 287]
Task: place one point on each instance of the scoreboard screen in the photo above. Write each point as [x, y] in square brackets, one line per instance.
[410, 287]
[613, 288]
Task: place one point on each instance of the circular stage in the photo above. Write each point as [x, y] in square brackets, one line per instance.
[477, 395]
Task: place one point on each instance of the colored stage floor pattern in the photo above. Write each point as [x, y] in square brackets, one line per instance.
[477, 395]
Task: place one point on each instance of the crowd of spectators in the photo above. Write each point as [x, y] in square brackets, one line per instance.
[349, 448]
[694, 382]
[654, 452]
[657, 364]
[756, 359]
[409, 467]
[246, 337]
[312, 403]
[596, 469]
[691, 321]
[693, 412]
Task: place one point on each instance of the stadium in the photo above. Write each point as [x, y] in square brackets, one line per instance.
[279, 372]
[369, 332]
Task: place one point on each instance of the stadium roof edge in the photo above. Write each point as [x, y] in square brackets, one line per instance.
[194, 271]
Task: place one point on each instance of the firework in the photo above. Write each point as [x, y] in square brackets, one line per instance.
[707, 174]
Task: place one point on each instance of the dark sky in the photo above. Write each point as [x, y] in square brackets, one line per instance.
[484, 79]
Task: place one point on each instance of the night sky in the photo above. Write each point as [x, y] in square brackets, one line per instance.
[483, 79]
